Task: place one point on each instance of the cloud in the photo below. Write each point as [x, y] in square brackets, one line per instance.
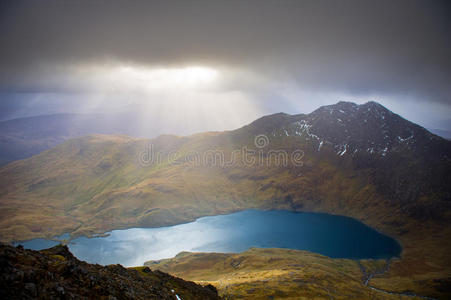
[359, 48]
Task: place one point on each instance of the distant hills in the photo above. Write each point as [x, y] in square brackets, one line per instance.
[362, 161]
[24, 137]
[443, 133]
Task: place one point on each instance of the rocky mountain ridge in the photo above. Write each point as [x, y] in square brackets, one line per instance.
[56, 274]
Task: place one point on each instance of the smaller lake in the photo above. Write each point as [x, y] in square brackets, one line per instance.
[330, 235]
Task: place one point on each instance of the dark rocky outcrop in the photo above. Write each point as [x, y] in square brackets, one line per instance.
[56, 274]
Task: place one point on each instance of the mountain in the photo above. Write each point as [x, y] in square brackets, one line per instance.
[362, 161]
[405, 159]
[24, 137]
[56, 274]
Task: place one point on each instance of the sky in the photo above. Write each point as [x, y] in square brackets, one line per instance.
[217, 65]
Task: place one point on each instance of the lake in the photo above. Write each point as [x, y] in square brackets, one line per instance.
[330, 235]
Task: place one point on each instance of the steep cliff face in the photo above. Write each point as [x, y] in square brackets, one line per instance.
[56, 274]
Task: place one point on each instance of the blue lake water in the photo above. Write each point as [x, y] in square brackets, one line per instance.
[330, 235]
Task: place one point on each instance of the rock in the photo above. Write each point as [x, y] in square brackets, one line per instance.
[28, 274]
[60, 290]
[31, 288]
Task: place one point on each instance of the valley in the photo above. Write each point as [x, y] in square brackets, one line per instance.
[330, 235]
[361, 161]
[257, 149]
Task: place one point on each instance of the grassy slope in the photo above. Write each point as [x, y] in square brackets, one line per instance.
[96, 183]
[279, 273]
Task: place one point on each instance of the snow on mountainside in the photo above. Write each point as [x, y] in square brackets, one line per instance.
[351, 128]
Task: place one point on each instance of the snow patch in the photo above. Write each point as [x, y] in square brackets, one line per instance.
[401, 140]
[344, 151]
[304, 127]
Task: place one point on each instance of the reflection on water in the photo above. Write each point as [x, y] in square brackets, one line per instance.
[334, 236]
[38, 244]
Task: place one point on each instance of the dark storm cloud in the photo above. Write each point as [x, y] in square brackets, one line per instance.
[349, 46]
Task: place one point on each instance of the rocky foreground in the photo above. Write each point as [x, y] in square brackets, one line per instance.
[56, 274]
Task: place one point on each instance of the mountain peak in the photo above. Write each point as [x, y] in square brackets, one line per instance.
[374, 104]
[351, 128]
[349, 107]
[270, 121]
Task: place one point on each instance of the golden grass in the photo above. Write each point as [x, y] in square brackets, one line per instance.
[278, 273]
